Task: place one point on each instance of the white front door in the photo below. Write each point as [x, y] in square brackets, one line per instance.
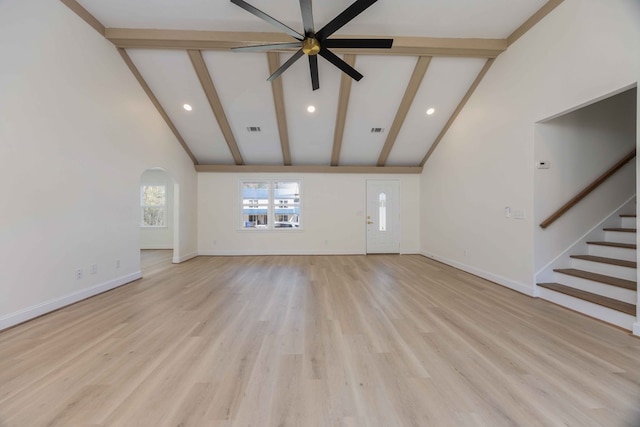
[383, 216]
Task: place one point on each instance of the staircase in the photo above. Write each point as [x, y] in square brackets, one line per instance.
[602, 283]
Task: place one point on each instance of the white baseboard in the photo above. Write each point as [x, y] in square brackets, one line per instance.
[503, 281]
[636, 329]
[183, 258]
[156, 247]
[32, 312]
[285, 252]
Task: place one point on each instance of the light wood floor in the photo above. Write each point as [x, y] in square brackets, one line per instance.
[316, 341]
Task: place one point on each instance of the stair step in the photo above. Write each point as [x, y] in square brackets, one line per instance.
[614, 244]
[628, 216]
[604, 260]
[611, 303]
[608, 280]
[620, 229]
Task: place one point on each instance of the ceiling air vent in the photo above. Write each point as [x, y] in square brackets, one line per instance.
[253, 128]
[377, 130]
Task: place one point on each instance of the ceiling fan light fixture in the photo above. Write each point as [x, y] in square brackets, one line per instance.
[430, 111]
[187, 107]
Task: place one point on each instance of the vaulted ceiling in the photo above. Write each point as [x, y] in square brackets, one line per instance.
[180, 52]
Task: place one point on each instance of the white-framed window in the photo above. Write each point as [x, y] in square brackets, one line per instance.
[270, 204]
[153, 205]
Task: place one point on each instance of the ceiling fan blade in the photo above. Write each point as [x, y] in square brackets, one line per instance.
[260, 14]
[286, 65]
[347, 15]
[335, 60]
[266, 47]
[313, 66]
[307, 17]
[358, 43]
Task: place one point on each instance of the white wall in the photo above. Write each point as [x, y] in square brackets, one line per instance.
[158, 237]
[333, 216]
[580, 146]
[76, 133]
[582, 51]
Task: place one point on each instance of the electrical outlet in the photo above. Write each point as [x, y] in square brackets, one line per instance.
[78, 274]
[117, 263]
[543, 165]
[94, 268]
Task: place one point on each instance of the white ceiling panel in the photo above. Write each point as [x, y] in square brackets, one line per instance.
[444, 85]
[450, 18]
[241, 83]
[172, 79]
[311, 134]
[373, 103]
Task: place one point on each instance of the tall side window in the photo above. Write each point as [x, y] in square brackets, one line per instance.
[153, 204]
[269, 204]
[382, 214]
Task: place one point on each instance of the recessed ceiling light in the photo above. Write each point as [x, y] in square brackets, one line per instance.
[187, 107]
[430, 111]
[311, 108]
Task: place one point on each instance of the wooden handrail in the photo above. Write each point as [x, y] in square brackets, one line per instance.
[588, 189]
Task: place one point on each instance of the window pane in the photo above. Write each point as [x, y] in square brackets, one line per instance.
[382, 199]
[153, 217]
[286, 204]
[153, 195]
[153, 202]
[255, 204]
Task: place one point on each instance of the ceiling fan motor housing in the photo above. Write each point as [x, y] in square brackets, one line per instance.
[311, 46]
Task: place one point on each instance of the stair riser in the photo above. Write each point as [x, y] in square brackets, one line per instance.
[619, 237]
[603, 289]
[628, 222]
[606, 269]
[610, 252]
[594, 310]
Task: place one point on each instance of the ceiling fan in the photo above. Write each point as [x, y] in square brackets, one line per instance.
[312, 42]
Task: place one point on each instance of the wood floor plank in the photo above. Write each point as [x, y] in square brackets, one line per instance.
[315, 341]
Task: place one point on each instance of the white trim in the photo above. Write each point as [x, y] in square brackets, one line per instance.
[503, 281]
[32, 312]
[155, 247]
[636, 329]
[283, 252]
[187, 257]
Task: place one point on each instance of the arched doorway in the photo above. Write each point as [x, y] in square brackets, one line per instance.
[158, 219]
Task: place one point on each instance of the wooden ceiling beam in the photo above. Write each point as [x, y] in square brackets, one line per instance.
[85, 15]
[533, 20]
[409, 95]
[458, 109]
[519, 32]
[309, 169]
[136, 73]
[278, 102]
[341, 115]
[225, 40]
[214, 101]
